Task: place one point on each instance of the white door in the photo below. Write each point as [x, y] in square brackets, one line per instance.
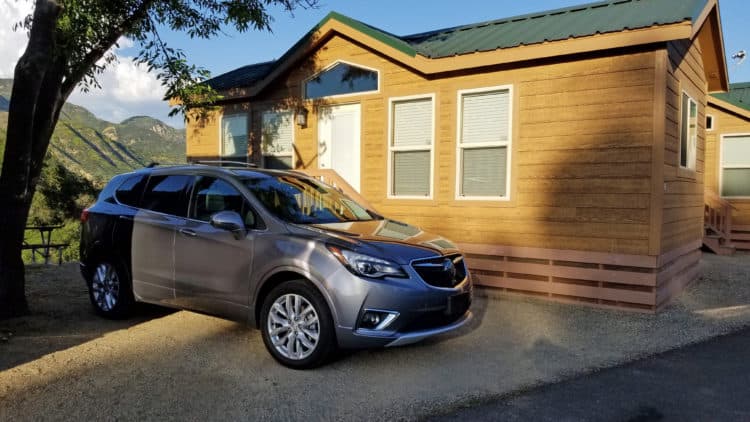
[339, 141]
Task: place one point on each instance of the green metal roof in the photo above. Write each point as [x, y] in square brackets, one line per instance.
[244, 76]
[554, 25]
[738, 95]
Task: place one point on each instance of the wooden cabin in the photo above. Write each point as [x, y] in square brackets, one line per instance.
[563, 150]
[728, 170]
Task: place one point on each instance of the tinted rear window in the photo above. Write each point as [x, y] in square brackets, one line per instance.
[129, 192]
[167, 194]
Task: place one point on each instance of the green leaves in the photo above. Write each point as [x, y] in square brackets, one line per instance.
[87, 32]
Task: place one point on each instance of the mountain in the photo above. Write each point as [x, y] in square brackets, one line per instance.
[98, 149]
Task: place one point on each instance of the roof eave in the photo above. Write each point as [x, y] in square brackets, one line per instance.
[707, 29]
[729, 107]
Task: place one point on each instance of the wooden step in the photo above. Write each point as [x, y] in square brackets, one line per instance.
[716, 245]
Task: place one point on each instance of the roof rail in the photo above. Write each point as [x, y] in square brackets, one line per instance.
[220, 162]
[153, 164]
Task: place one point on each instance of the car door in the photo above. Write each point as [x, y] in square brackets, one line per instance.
[163, 209]
[212, 266]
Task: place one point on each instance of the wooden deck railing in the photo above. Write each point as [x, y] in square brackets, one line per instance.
[717, 216]
[330, 177]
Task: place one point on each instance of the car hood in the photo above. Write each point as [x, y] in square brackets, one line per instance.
[393, 239]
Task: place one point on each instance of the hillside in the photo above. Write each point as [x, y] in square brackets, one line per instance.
[98, 149]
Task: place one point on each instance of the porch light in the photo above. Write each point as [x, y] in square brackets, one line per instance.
[301, 117]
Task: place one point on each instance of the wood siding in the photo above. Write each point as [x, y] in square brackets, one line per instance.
[725, 123]
[683, 188]
[581, 165]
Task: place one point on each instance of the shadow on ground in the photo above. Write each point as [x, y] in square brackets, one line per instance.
[61, 317]
[186, 366]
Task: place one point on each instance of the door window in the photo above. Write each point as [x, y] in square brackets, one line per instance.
[212, 195]
[167, 194]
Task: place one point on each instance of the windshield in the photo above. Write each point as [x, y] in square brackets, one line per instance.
[303, 200]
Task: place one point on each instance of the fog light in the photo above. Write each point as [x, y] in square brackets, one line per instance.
[376, 320]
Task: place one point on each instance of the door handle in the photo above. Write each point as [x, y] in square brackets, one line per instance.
[188, 232]
[126, 218]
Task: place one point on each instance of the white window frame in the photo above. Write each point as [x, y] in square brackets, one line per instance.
[722, 167]
[223, 157]
[508, 144]
[303, 93]
[392, 149]
[263, 154]
[713, 122]
[694, 163]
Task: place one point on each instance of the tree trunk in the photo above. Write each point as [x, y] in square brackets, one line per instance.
[34, 108]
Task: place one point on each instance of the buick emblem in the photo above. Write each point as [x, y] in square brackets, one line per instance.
[449, 268]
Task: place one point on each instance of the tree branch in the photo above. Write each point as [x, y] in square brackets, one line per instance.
[81, 69]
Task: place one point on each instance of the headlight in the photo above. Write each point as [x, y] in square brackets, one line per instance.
[365, 265]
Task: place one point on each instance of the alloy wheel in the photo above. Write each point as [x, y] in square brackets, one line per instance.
[293, 326]
[105, 287]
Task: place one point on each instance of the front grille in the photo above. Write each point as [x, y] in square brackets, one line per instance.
[442, 271]
[457, 307]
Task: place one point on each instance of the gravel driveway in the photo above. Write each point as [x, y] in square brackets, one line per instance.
[64, 363]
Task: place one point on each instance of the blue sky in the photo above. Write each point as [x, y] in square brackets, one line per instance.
[129, 90]
[403, 17]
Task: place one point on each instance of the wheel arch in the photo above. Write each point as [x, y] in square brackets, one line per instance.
[279, 276]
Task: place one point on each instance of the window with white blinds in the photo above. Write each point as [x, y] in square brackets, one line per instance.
[735, 166]
[234, 136]
[410, 147]
[484, 143]
[277, 139]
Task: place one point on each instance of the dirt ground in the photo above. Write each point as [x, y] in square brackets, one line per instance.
[61, 316]
[63, 362]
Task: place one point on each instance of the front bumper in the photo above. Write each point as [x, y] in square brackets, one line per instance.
[416, 336]
[423, 311]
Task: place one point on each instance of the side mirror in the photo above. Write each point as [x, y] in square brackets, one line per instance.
[230, 221]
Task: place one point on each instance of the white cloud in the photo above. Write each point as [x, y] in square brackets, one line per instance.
[12, 43]
[127, 88]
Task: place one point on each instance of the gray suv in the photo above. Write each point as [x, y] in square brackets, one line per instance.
[306, 264]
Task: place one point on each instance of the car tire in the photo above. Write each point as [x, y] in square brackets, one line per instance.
[297, 326]
[110, 290]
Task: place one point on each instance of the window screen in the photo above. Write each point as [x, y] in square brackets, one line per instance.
[735, 166]
[411, 148]
[277, 139]
[484, 144]
[234, 136]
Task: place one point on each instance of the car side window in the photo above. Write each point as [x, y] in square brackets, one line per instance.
[212, 195]
[167, 194]
[129, 192]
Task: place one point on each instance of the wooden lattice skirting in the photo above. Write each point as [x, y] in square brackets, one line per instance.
[632, 282]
